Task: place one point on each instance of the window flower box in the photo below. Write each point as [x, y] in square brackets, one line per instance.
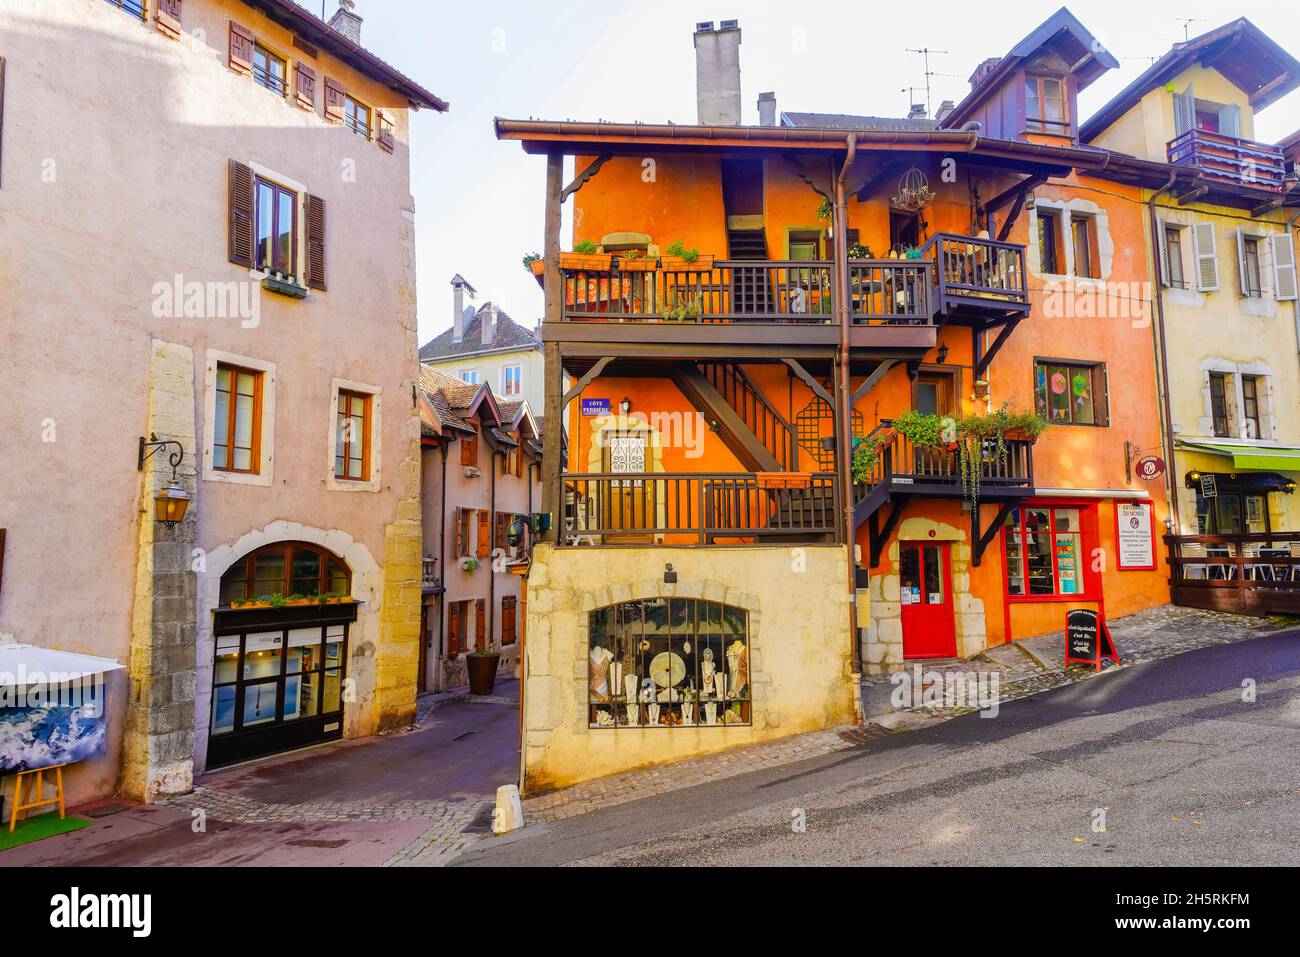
[284, 285]
[784, 480]
[702, 263]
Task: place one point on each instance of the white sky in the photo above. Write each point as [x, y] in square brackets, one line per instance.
[479, 201]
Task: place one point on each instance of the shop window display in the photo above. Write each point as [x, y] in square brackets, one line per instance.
[668, 662]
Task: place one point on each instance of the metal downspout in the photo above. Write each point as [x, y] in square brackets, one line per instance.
[1162, 355]
[846, 397]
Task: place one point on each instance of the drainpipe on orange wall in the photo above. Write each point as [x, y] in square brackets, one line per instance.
[846, 397]
[1162, 355]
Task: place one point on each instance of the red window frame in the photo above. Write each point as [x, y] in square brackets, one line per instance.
[1088, 543]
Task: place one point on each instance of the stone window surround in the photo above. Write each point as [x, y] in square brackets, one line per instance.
[265, 474]
[1105, 244]
[363, 636]
[1263, 306]
[374, 483]
[1236, 400]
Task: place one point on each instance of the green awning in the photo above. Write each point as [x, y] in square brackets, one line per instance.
[1257, 457]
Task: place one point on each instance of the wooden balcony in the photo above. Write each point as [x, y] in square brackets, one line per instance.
[977, 280]
[904, 469]
[697, 508]
[790, 292]
[1227, 159]
[1255, 574]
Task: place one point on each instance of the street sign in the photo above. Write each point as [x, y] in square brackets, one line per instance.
[595, 406]
[1087, 639]
[1150, 467]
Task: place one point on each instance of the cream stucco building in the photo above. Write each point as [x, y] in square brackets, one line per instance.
[1226, 294]
[204, 209]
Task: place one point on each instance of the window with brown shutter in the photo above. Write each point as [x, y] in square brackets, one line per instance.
[469, 451]
[333, 101]
[499, 521]
[484, 544]
[168, 17]
[315, 210]
[462, 531]
[306, 90]
[509, 616]
[241, 49]
[241, 214]
[457, 619]
[385, 133]
[480, 624]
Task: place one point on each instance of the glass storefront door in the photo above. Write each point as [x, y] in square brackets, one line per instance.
[275, 686]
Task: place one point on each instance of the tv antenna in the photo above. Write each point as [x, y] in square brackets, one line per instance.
[1187, 22]
[925, 56]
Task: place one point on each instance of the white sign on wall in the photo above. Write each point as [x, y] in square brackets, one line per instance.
[1134, 538]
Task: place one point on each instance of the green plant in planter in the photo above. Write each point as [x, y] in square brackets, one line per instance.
[866, 453]
[860, 251]
[586, 247]
[470, 564]
[684, 309]
[982, 438]
[825, 210]
[276, 600]
[681, 251]
[530, 259]
[920, 428]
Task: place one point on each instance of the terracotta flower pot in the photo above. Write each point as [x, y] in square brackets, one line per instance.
[638, 264]
[482, 670]
[1019, 435]
[704, 263]
[588, 262]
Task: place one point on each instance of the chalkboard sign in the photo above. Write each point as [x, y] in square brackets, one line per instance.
[1087, 639]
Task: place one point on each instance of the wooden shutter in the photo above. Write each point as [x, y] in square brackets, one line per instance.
[1207, 256]
[484, 543]
[333, 101]
[499, 530]
[1162, 244]
[306, 90]
[1101, 394]
[168, 17]
[454, 624]
[1184, 111]
[1284, 275]
[315, 207]
[462, 532]
[480, 624]
[385, 133]
[469, 451]
[1230, 121]
[241, 49]
[1243, 271]
[241, 215]
[508, 617]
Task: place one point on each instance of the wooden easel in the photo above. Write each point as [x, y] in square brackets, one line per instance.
[37, 784]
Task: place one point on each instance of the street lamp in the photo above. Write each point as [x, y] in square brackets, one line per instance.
[170, 504]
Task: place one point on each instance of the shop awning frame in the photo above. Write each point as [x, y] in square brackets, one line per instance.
[1256, 458]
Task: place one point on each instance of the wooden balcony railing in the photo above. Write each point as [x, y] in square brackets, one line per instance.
[926, 470]
[742, 291]
[1230, 160]
[1256, 574]
[676, 508]
[977, 273]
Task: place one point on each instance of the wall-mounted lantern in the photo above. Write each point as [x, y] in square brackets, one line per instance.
[625, 406]
[170, 504]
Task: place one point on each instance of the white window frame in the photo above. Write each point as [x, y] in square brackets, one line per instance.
[462, 373]
[374, 482]
[519, 379]
[265, 474]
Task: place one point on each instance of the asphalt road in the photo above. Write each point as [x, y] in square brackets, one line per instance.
[1166, 755]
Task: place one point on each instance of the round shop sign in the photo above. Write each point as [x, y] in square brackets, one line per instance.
[1150, 467]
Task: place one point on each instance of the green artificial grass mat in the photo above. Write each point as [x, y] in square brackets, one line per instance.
[38, 828]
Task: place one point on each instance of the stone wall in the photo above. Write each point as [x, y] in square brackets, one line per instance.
[158, 745]
[799, 647]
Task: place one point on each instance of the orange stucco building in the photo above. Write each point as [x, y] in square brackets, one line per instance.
[759, 324]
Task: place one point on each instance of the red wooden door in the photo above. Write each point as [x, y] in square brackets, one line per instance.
[925, 578]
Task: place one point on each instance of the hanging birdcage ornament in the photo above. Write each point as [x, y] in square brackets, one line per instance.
[913, 191]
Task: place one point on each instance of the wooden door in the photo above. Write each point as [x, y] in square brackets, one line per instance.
[627, 503]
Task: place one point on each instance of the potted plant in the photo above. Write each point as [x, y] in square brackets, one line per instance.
[680, 258]
[861, 251]
[586, 257]
[535, 264]
[684, 309]
[469, 564]
[481, 666]
[634, 260]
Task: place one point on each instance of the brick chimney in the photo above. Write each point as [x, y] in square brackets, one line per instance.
[945, 110]
[917, 112]
[346, 22]
[767, 109]
[488, 324]
[983, 70]
[717, 73]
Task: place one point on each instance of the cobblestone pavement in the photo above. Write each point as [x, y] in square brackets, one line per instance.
[1024, 668]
